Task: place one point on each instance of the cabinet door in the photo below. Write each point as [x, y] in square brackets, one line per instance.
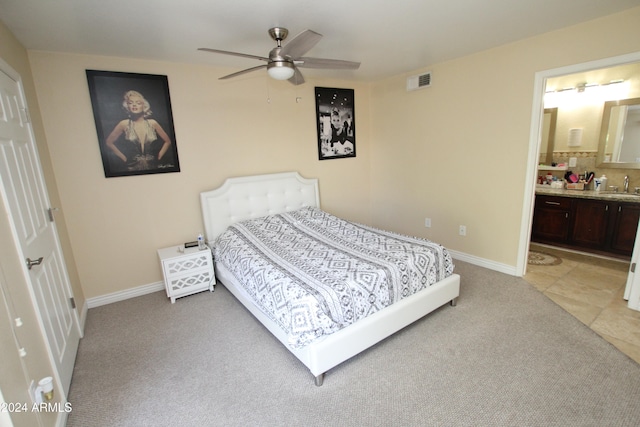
[590, 220]
[624, 230]
[551, 219]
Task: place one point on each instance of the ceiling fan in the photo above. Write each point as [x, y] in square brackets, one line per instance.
[283, 61]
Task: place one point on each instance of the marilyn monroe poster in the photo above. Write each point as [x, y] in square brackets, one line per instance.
[134, 123]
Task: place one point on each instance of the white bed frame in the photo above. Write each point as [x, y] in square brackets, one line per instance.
[248, 197]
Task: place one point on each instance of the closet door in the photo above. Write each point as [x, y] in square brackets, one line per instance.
[34, 232]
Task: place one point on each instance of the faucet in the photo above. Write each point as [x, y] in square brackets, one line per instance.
[626, 183]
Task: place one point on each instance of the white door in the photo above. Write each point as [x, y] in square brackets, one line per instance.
[22, 187]
[632, 290]
[634, 293]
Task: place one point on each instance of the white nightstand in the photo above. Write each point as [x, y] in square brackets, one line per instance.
[186, 271]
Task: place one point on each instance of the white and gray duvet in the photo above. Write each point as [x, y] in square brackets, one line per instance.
[313, 273]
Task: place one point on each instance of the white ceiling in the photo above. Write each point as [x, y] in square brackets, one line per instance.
[387, 37]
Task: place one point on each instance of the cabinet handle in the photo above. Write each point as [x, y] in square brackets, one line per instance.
[566, 215]
[552, 203]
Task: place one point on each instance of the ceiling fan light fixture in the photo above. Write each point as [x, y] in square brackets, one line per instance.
[280, 70]
[284, 62]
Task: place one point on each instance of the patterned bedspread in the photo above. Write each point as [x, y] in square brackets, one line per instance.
[313, 273]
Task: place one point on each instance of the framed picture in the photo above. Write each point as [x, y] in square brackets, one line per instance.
[336, 123]
[134, 123]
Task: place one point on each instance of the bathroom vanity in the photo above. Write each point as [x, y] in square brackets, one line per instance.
[604, 223]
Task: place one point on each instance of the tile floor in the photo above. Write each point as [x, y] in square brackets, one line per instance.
[591, 289]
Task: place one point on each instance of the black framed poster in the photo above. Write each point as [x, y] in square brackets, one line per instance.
[134, 123]
[335, 114]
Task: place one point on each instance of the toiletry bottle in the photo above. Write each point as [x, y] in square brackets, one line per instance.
[603, 183]
[201, 244]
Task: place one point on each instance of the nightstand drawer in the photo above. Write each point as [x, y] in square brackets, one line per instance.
[187, 263]
[188, 283]
[186, 271]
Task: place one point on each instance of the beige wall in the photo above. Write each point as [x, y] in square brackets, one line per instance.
[457, 152]
[223, 129]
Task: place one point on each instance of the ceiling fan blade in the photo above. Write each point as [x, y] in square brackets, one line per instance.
[244, 55]
[300, 44]
[239, 73]
[326, 63]
[297, 78]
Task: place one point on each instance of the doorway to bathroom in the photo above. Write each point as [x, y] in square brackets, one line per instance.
[587, 151]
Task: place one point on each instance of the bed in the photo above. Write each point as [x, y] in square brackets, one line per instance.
[290, 198]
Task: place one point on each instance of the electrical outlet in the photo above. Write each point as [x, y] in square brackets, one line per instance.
[463, 230]
[427, 222]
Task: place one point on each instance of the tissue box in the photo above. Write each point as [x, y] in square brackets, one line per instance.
[575, 185]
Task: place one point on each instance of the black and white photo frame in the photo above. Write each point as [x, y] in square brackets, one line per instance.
[335, 115]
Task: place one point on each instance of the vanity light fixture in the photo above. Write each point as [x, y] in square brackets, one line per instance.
[581, 87]
[587, 93]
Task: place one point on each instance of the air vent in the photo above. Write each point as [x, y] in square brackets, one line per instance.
[419, 82]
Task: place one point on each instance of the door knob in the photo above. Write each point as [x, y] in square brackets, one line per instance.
[31, 263]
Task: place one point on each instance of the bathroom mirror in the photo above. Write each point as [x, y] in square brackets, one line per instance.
[548, 135]
[619, 144]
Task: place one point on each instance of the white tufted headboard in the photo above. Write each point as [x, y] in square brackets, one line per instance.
[255, 196]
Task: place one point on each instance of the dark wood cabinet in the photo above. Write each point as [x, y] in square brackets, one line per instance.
[551, 219]
[590, 225]
[623, 234]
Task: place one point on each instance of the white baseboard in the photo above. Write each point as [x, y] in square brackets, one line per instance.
[124, 295]
[486, 263]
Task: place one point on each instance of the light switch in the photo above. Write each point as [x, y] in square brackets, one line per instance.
[573, 161]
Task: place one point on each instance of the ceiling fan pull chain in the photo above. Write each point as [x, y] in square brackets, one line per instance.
[268, 94]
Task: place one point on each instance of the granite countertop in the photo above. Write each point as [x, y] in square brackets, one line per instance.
[588, 194]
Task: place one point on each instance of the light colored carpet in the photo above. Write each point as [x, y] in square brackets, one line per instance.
[504, 356]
